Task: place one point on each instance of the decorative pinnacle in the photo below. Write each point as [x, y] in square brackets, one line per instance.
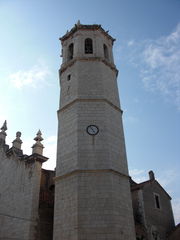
[4, 126]
[3, 133]
[18, 135]
[17, 142]
[38, 146]
[38, 137]
[78, 22]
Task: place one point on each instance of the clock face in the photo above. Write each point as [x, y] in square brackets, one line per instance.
[92, 130]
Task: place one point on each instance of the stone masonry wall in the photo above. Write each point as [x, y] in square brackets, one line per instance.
[157, 219]
[93, 205]
[19, 197]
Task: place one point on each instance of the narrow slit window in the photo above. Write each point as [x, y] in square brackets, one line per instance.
[69, 77]
[88, 46]
[106, 54]
[157, 201]
[70, 51]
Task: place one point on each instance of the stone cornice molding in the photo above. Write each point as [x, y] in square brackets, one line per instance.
[64, 66]
[91, 171]
[90, 100]
[83, 27]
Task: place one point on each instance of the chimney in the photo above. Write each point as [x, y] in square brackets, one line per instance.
[151, 175]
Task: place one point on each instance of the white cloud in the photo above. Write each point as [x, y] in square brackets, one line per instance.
[130, 43]
[138, 175]
[136, 172]
[168, 177]
[159, 64]
[33, 77]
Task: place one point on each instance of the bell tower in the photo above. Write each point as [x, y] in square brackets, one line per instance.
[92, 192]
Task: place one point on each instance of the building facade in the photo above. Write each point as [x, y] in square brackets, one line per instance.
[19, 188]
[152, 210]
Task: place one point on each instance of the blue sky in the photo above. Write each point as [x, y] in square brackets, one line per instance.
[146, 52]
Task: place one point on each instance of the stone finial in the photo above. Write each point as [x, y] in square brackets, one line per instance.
[3, 132]
[17, 142]
[151, 175]
[38, 146]
[78, 23]
[4, 126]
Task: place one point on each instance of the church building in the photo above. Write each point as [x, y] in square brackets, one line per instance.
[90, 195]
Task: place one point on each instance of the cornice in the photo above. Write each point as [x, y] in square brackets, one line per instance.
[90, 100]
[82, 27]
[64, 66]
[90, 171]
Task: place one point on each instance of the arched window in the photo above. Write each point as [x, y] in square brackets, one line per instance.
[88, 45]
[70, 51]
[106, 54]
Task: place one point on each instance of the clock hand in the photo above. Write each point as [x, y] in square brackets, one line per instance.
[92, 129]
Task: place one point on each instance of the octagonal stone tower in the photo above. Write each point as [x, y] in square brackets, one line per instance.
[92, 192]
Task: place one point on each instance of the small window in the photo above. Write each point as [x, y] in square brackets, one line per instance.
[157, 201]
[88, 46]
[61, 53]
[69, 77]
[106, 54]
[70, 51]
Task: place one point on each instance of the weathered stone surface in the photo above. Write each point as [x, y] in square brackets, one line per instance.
[19, 197]
[153, 217]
